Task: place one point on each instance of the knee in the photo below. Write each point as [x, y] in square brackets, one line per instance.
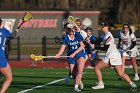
[79, 73]
[121, 74]
[9, 78]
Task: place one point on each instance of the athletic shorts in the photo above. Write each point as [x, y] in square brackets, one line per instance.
[3, 62]
[77, 56]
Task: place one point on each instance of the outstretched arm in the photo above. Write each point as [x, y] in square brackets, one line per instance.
[61, 51]
[105, 48]
[14, 33]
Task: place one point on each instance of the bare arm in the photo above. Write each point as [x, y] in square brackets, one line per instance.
[61, 51]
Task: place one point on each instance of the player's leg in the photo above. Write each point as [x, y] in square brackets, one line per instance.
[0, 76]
[71, 66]
[123, 63]
[118, 69]
[135, 67]
[8, 78]
[92, 61]
[93, 58]
[71, 63]
[98, 73]
[80, 67]
[71, 71]
[123, 66]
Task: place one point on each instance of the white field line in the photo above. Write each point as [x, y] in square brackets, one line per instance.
[39, 86]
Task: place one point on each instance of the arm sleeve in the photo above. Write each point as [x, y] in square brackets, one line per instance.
[96, 41]
[133, 44]
[118, 46]
[105, 48]
[133, 40]
[133, 37]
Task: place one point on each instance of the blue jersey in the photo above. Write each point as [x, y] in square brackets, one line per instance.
[73, 45]
[4, 33]
[79, 35]
[88, 48]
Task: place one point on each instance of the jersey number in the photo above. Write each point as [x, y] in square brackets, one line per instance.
[74, 47]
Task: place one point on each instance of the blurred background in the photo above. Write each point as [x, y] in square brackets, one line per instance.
[42, 34]
[119, 11]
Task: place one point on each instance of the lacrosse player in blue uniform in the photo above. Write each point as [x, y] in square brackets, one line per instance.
[75, 51]
[4, 66]
[91, 54]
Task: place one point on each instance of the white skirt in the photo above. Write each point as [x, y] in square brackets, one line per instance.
[113, 58]
[115, 61]
[132, 53]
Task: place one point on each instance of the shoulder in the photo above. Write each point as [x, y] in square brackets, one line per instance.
[108, 34]
[4, 30]
[64, 36]
[93, 37]
[132, 35]
[77, 34]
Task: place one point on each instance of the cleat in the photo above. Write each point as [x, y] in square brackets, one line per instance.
[136, 79]
[81, 85]
[67, 79]
[99, 86]
[77, 90]
[133, 87]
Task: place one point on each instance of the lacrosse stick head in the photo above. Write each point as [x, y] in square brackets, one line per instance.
[71, 19]
[27, 16]
[37, 58]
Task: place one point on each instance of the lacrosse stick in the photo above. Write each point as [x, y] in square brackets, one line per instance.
[37, 58]
[123, 50]
[25, 18]
[71, 19]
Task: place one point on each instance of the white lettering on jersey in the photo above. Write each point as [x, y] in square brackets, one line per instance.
[74, 43]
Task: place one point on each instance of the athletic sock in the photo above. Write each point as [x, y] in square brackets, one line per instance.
[76, 86]
[101, 82]
[136, 75]
[131, 83]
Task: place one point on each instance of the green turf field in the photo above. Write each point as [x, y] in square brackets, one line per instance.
[24, 79]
